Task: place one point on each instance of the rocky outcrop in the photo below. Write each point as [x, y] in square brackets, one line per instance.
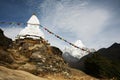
[36, 57]
[56, 51]
[4, 41]
[6, 57]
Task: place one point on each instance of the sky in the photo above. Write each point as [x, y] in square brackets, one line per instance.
[95, 22]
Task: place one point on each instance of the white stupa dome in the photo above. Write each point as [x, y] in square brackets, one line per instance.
[32, 29]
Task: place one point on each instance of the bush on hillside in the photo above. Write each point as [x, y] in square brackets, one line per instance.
[102, 67]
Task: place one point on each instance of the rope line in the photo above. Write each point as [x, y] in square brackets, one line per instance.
[50, 32]
[63, 39]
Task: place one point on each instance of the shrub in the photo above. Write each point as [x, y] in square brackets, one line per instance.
[102, 67]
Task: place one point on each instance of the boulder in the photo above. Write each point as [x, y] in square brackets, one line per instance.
[56, 51]
[6, 57]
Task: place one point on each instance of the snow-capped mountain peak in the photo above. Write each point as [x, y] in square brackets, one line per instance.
[72, 55]
[79, 44]
[75, 52]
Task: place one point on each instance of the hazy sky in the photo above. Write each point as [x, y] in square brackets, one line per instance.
[95, 22]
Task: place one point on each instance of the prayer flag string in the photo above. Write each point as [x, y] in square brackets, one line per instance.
[50, 32]
[63, 39]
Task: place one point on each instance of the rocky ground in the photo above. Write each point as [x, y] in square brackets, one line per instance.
[28, 59]
[9, 74]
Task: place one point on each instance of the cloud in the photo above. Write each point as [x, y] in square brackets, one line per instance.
[74, 19]
[11, 31]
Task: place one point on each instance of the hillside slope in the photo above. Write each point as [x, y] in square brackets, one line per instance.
[104, 63]
[9, 74]
[26, 59]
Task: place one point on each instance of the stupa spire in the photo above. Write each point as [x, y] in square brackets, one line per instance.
[33, 20]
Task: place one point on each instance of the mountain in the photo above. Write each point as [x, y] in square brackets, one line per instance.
[79, 44]
[112, 52]
[75, 52]
[104, 63]
[72, 55]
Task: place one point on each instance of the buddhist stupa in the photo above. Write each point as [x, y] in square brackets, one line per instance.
[32, 29]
